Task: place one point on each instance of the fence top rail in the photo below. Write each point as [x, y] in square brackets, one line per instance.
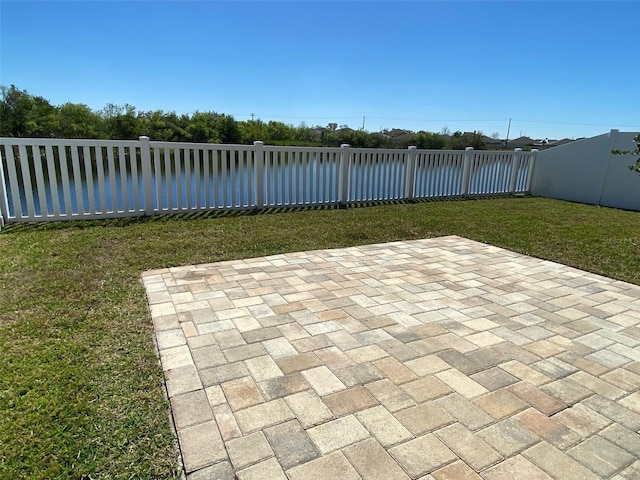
[59, 142]
[88, 142]
[200, 146]
[293, 148]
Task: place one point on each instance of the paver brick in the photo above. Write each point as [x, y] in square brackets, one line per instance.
[322, 380]
[427, 388]
[566, 391]
[201, 341]
[308, 344]
[557, 464]
[456, 471]
[631, 473]
[298, 363]
[623, 438]
[263, 415]
[190, 409]
[219, 471]
[632, 402]
[223, 373]
[500, 404]
[226, 422]
[465, 412]
[207, 357]
[389, 395]
[359, 374]
[508, 437]
[427, 365]
[343, 340]
[394, 370]
[601, 456]
[397, 349]
[424, 418]
[334, 465]
[422, 455]
[526, 373]
[550, 430]
[582, 420]
[373, 462]
[614, 411]
[383, 426]
[242, 393]
[201, 445]
[229, 339]
[247, 450]
[536, 398]
[291, 444]
[337, 434]
[623, 378]
[279, 348]
[308, 408]
[270, 469]
[262, 368]
[176, 357]
[471, 448]
[494, 378]
[461, 383]
[334, 358]
[182, 380]
[515, 467]
[554, 368]
[350, 401]
[215, 395]
[282, 386]
[366, 354]
[189, 329]
[597, 385]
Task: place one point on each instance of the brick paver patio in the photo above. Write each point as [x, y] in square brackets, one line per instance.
[432, 359]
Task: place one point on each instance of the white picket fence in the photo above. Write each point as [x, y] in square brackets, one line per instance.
[60, 179]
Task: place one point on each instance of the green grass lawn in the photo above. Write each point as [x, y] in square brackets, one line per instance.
[80, 385]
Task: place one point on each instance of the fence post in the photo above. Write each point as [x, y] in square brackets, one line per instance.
[532, 159]
[409, 187]
[515, 162]
[147, 177]
[343, 183]
[258, 169]
[466, 170]
[4, 201]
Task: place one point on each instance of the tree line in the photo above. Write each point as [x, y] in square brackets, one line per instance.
[25, 115]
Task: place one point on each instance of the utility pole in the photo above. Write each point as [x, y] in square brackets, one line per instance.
[252, 117]
[508, 130]
[363, 123]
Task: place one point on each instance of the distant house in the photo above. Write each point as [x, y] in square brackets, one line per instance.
[546, 143]
[524, 143]
[492, 143]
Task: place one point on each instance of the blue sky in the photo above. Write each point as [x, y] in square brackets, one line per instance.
[556, 69]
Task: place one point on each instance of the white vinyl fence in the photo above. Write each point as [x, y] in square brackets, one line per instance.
[587, 171]
[58, 179]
